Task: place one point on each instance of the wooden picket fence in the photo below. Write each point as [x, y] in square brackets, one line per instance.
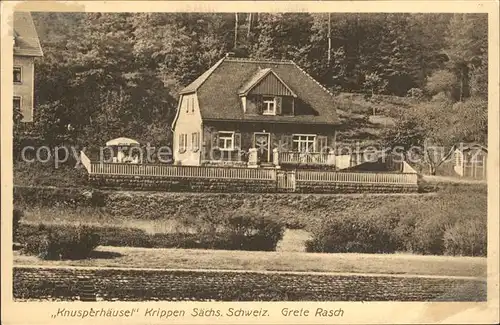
[102, 168]
[358, 178]
[285, 179]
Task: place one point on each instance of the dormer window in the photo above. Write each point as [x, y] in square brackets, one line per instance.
[269, 106]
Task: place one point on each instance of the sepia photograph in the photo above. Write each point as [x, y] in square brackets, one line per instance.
[248, 156]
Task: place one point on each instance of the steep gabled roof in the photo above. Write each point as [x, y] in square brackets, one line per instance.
[219, 87]
[26, 42]
[260, 75]
[192, 87]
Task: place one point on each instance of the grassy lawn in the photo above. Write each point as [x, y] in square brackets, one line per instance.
[94, 217]
[273, 261]
[451, 180]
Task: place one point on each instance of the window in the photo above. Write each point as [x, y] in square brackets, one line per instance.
[304, 142]
[17, 103]
[322, 144]
[195, 141]
[186, 103]
[226, 141]
[18, 75]
[182, 143]
[269, 106]
[192, 105]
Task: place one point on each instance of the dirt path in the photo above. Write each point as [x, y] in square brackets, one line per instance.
[284, 261]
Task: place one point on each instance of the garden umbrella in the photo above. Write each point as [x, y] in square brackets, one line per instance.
[122, 142]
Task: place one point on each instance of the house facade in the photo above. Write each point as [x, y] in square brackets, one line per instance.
[253, 113]
[26, 49]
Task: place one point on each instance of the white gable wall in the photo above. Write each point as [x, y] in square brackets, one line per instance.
[187, 123]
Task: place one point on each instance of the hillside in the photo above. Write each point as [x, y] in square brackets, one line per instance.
[360, 124]
[112, 74]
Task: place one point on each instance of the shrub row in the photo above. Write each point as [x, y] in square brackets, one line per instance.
[231, 233]
[453, 223]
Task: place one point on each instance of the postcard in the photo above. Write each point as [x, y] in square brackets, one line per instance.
[253, 162]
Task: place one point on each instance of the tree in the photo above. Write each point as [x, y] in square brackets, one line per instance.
[437, 127]
[283, 36]
[466, 45]
[441, 81]
[327, 61]
[374, 84]
[107, 74]
[406, 134]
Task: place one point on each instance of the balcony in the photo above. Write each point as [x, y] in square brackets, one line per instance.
[304, 158]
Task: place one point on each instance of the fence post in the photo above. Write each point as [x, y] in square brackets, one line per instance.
[252, 157]
[276, 158]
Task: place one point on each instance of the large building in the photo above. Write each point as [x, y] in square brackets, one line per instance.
[26, 48]
[241, 105]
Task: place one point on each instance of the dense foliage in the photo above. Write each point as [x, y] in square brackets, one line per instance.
[236, 232]
[57, 243]
[454, 223]
[105, 75]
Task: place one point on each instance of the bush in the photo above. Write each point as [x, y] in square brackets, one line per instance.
[54, 243]
[358, 234]
[253, 232]
[468, 237]
[428, 236]
[415, 93]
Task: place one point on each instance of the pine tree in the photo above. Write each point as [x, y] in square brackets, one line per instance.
[466, 44]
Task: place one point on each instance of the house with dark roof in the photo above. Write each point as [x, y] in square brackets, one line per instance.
[26, 48]
[253, 112]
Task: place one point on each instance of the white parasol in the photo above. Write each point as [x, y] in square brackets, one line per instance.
[122, 142]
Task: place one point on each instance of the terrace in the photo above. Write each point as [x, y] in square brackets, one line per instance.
[288, 180]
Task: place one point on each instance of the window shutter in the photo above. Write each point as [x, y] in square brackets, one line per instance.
[322, 143]
[278, 102]
[237, 140]
[286, 143]
[215, 139]
[260, 104]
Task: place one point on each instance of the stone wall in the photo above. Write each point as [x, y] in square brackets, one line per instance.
[332, 187]
[179, 184]
[69, 284]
